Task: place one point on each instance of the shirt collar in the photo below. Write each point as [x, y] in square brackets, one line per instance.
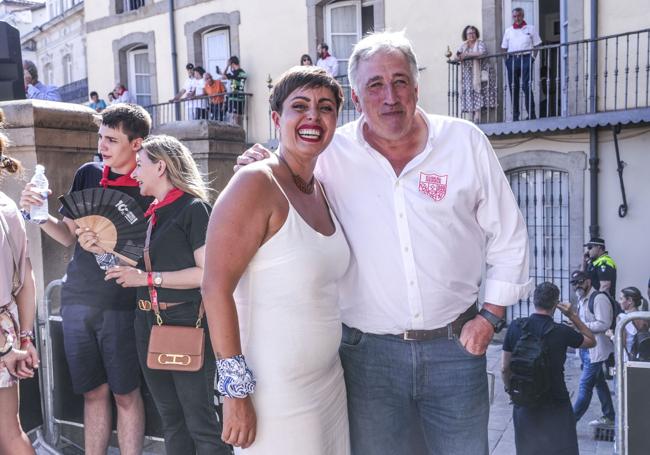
[358, 128]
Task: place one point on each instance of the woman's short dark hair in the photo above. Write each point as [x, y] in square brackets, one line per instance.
[93, 94]
[546, 296]
[200, 70]
[303, 77]
[464, 35]
[306, 57]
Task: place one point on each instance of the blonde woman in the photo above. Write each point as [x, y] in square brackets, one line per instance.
[18, 357]
[180, 212]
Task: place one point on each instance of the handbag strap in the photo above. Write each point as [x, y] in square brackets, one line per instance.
[153, 293]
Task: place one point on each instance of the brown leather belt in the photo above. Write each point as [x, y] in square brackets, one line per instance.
[145, 305]
[453, 328]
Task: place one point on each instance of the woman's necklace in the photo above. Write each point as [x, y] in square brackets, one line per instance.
[304, 187]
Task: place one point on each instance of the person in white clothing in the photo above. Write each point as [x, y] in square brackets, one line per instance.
[424, 204]
[270, 290]
[521, 38]
[187, 86]
[326, 60]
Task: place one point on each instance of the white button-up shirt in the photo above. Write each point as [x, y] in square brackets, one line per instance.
[520, 39]
[420, 240]
[329, 64]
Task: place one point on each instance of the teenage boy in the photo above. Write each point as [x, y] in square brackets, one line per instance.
[98, 315]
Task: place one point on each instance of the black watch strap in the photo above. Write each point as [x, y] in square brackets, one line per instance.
[497, 323]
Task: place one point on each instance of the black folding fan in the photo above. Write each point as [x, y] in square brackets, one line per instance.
[115, 217]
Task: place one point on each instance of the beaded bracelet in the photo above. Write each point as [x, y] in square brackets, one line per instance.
[235, 378]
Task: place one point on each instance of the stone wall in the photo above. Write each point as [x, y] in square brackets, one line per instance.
[63, 136]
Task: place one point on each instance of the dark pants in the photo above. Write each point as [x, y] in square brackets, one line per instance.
[518, 69]
[545, 430]
[184, 400]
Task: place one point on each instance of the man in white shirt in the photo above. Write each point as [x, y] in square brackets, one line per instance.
[599, 319]
[326, 60]
[188, 86]
[522, 38]
[424, 204]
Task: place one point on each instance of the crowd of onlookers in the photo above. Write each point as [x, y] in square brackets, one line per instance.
[535, 349]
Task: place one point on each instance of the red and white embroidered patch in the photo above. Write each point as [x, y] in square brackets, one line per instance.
[433, 185]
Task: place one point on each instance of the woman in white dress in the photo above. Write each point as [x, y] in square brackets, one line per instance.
[274, 253]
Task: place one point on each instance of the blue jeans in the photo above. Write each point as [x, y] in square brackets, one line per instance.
[410, 397]
[592, 376]
[518, 71]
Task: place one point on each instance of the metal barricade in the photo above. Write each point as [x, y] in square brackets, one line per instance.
[632, 397]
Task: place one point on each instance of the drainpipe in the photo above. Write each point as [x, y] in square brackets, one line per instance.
[594, 228]
[564, 56]
[172, 35]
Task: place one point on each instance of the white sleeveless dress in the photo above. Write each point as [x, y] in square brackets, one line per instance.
[290, 329]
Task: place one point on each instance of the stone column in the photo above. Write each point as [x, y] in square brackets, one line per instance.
[60, 136]
[215, 146]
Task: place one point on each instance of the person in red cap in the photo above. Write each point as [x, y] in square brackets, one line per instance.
[600, 267]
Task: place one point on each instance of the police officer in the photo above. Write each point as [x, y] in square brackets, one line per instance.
[600, 267]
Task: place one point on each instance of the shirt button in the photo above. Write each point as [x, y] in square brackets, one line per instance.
[417, 315]
[406, 249]
[412, 283]
[401, 215]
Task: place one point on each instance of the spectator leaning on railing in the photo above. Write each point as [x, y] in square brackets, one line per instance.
[187, 87]
[214, 87]
[35, 89]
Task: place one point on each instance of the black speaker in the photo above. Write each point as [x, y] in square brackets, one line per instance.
[12, 85]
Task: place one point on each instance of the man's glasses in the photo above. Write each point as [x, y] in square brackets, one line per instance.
[576, 283]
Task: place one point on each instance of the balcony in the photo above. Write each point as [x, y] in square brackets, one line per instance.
[581, 84]
[226, 108]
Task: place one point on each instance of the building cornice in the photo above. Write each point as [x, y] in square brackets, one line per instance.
[144, 12]
[75, 10]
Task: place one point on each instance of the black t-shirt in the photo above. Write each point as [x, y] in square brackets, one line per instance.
[557, 341]
[85, 282]
[601, 271]
[180, 230]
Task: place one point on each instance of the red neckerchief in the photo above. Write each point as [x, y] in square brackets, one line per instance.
[122, 180]
[516, 25]
[173, 194]
[327, 54]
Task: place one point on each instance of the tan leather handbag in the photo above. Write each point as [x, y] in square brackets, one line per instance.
[172, 347]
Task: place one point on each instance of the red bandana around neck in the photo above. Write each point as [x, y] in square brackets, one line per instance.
[516, 25]
[122, 180]
[172, 196]
[327, 54]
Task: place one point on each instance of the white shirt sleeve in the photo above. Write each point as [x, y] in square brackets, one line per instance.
[498, 214]
[333, 65]
[534, 35]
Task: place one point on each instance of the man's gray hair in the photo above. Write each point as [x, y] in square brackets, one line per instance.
[518, 10]
[383, 42]
[30, 67]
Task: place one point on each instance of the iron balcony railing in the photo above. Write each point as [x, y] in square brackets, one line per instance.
[554, 80]
[230, 108]
[75, 92]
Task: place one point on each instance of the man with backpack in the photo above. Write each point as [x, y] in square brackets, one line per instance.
[534, 352]
[598, 312]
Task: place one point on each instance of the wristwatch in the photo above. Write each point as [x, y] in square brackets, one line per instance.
[157, 279]
[8, 346]
[497, 323]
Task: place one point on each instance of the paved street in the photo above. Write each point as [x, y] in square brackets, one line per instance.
[501, 430]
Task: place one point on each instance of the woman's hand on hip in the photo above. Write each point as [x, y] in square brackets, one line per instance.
[126, 276]
[239, 422]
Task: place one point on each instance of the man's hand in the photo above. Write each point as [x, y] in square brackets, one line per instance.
[88, 241]
[256, 153]
[565, 309]
[476, 335]
[127, 277]
[239, 422]
[29, 197]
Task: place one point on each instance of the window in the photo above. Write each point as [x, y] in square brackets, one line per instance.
[139, 75]
[67, 69]
[48, 74]
[342, 30]
[216, 50]
[543, 198]
[123, 6]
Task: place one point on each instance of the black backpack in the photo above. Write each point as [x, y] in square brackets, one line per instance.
[641, 346]
[530, 382]
[616, 309]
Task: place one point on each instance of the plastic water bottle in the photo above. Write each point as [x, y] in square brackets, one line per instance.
[39, 213]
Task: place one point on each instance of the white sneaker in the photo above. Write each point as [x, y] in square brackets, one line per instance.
[601, 421]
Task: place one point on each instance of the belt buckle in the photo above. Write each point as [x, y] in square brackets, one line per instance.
[410, 335]
[144, 305]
